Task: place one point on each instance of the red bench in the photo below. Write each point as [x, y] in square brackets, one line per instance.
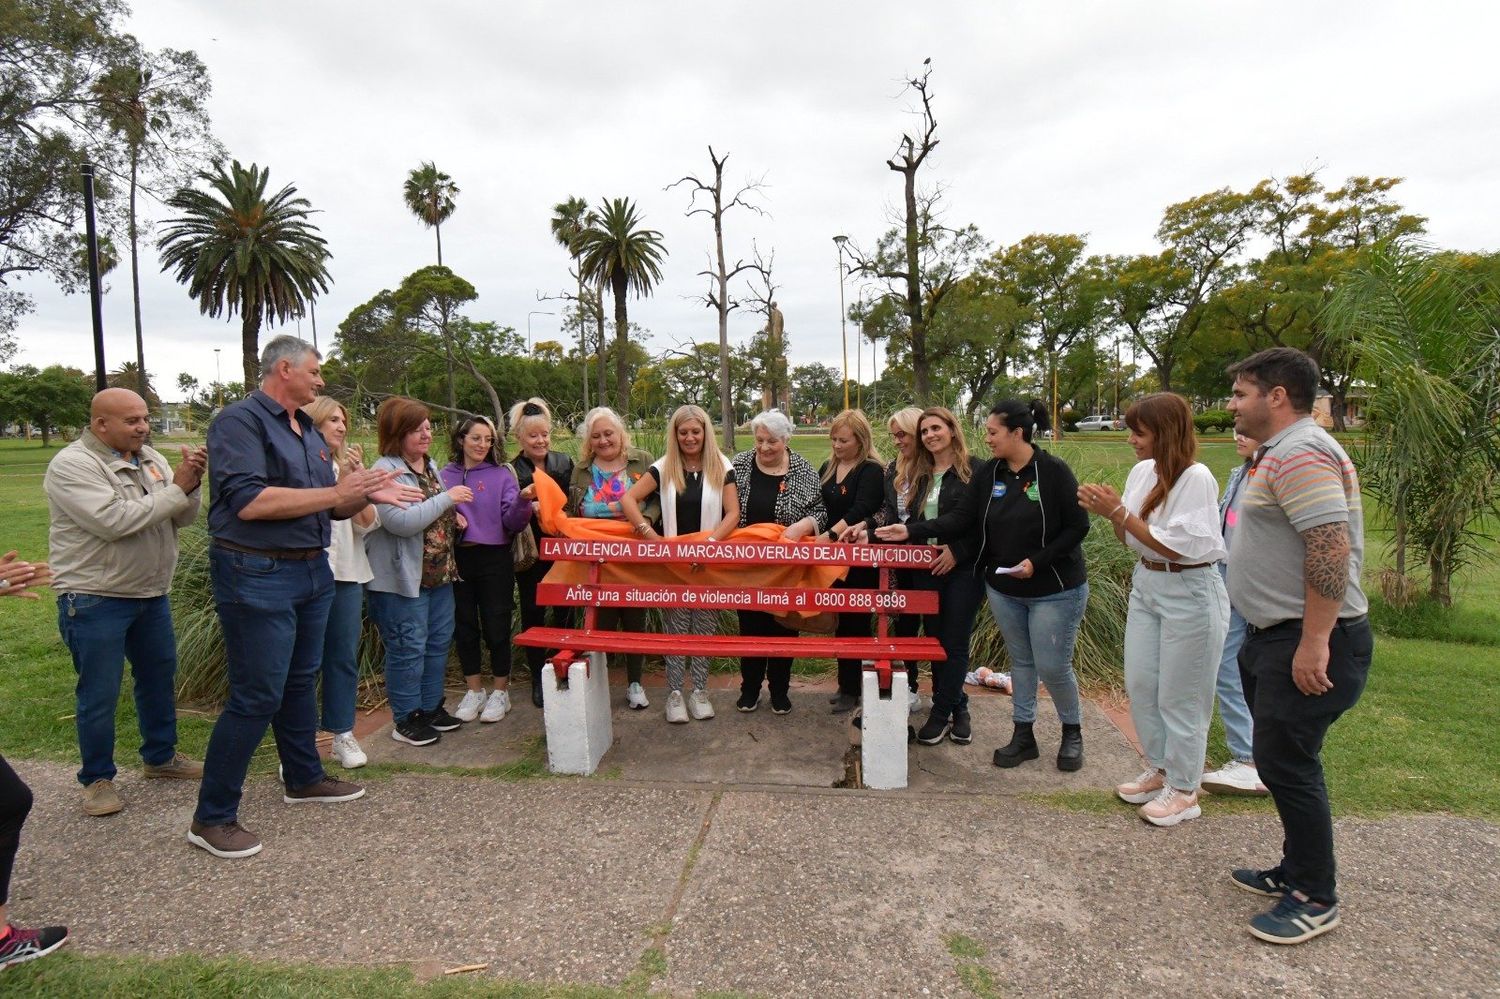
[575, 644]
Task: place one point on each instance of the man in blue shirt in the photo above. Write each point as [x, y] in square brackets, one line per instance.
[273, 494]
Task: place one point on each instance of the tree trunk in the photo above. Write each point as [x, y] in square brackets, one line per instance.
[914, 310]
[1337, 404]
[437, 227]
[726, 407]
[448, 355]
[622, 332]
[135, 280]
[250, 346]
[1439, 586]
[583, 345]
[599, 339]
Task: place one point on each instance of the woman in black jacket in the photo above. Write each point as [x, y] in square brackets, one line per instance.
[1020, 521]
[853, 488]
[531, 426]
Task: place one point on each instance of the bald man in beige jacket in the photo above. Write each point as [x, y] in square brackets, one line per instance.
[116, 506]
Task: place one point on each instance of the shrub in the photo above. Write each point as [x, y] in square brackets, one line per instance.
[1211, 420]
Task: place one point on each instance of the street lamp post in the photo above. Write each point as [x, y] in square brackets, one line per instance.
[839, 241]
[528, 326]
[218, 382]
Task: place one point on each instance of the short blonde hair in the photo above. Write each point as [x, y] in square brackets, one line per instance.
[586, 429]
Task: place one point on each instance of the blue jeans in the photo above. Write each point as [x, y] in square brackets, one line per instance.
[1239, 729]
[417, 632]
[959, 596]
[274, 613]
[1039, 634]
[101, 633]
[341, 656]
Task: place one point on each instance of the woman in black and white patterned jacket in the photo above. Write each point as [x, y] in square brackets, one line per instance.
[776, 486]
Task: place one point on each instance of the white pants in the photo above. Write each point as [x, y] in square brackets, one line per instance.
[1174, 634]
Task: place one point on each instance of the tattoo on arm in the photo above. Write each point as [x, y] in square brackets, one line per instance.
[1326, 565]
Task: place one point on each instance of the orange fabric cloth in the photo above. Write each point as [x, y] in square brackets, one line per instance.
[555, 522]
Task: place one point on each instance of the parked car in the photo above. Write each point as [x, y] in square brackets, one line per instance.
[1097, 422]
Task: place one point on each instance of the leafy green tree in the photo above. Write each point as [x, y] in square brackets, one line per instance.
[238, 250]
[51, 54]
[1315, 236]
[617, 250]
[430, 194]
[52, 398]
[156, 103]
[129, 377]
[981, 336]
[817, 391]
[1427, 327]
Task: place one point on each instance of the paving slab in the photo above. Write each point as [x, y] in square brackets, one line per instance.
[803, 749]
[795, 891]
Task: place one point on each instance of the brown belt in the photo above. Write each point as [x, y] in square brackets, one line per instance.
[1172, 566]
[291, 554]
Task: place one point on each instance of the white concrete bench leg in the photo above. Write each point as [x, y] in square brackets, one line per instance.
[883, 732]
[577, 717]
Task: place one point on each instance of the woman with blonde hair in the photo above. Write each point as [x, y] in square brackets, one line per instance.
[351, 571]
[696, 486]
[853, 489]
[901, 485]
[607, 469]
[1179, 608]
[530, 422]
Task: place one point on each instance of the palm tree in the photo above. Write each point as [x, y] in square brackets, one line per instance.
[569, 221]
[617, 251]
[239, 251]
[429, 194]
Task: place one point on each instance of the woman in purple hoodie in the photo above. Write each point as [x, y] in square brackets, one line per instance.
[482, 593]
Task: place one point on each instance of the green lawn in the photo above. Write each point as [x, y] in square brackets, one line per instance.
[1427, 727]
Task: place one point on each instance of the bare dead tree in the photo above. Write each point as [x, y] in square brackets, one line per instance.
[911, 152]
[719, 275]
[775, 386]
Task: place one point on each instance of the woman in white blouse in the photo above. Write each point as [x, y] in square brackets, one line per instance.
[1179, 610]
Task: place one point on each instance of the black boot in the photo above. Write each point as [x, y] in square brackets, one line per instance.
[536, 686]
[1070, 755]
[1022, 747]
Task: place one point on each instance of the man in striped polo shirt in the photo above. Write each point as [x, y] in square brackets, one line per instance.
[1294, 568]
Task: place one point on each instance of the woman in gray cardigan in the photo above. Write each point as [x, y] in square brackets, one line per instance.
[411, 596]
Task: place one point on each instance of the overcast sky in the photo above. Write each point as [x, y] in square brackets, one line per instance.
[1053, 117]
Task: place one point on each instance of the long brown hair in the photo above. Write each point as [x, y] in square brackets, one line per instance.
[960, 447]
[1168, 418]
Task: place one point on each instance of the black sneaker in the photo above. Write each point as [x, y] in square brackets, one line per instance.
[20, 945]
[935, 729]
[748, 702]
[961, 733]
[414, 730]
[439, 718]
[781, 704]
[1294, 919]
[1268, 882]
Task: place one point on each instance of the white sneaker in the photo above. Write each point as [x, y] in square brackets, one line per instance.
[676, 707]
[497, 707]
[913, 702]
[699, 706]
[1235, 777]
[468, 708]
[635, 696]
[346, 750]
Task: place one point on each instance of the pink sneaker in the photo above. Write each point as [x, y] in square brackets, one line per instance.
[1171, 807]
[1145, 787]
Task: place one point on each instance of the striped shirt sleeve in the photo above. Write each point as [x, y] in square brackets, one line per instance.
[1310, 485]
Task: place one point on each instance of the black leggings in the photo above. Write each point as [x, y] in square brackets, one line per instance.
[482, 606]
[15, 805]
